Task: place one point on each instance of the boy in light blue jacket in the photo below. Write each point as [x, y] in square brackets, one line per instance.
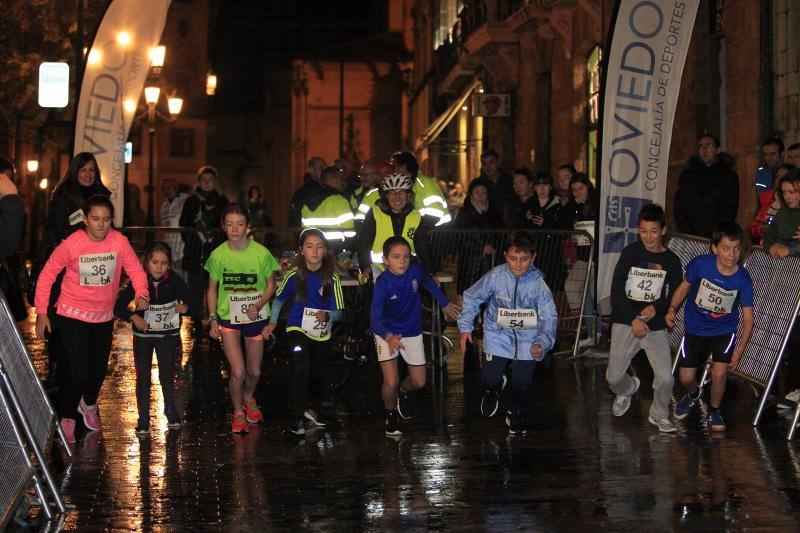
[519, 326]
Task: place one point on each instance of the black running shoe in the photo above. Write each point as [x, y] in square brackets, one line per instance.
[516, 424]
[490, 404]
[403, 409]
[297, 427]
[313, 416]
[393, 423]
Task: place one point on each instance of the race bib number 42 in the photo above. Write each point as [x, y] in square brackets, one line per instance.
[644, 284]
[239, 303]
[313, 327]
[162, 317]
[517, 318]
[714, 298]
[96, 270]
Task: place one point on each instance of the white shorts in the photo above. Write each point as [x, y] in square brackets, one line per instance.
[413, 354]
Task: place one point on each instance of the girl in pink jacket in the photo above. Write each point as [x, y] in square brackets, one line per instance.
[93, 259]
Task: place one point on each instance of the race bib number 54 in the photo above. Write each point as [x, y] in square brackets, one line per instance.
[517, 318]
[714, 298]
[644, 284]
[96, 270]
[239, 303]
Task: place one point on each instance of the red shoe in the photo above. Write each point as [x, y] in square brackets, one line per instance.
[240, 423]
[253, 411]
[91, 418]
[68, 427]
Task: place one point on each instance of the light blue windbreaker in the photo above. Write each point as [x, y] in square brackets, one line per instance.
[502, 289]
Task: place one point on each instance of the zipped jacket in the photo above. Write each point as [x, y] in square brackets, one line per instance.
[510, 299]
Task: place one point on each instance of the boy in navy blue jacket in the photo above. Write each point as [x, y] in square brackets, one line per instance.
[396, 319]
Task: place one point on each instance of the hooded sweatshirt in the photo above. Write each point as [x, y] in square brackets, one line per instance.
[93, 271]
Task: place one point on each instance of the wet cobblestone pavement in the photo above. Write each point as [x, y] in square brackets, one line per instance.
[577, 468]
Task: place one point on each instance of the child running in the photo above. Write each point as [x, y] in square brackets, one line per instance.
[519, 326]
[647, 273]
[396, 320]
[94, 259]
[717, 287]
[157, 329]
[240, 285]
[316, 293]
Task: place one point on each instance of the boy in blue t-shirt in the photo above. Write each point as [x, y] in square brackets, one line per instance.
[396, 319]
[717, 287]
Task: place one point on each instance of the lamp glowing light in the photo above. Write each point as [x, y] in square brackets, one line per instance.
[174, 104]
[151, 95]
[123, 38]
[130, 105]
[43, 184]
[94, 57]
[32, 165]
[157, 55]
[211, 84]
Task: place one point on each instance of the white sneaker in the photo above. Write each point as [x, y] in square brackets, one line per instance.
[790, 401]
[588, 342]
[622, 403]
[665, 425]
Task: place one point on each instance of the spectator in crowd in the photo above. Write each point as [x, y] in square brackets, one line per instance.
[259, 217]
[708, 191]
[769, 203]
[12, 215]
[772, 156]
[428, 198]
[793, 155]
[456, 198]
[202, 211]
[477, 253]
[497, 182]
[523, 201]
[371, 195]
[368, 177]
[65, 216]
[171, 217]
[543, 215]
[563, 177]
[310, 185]
[329, 209]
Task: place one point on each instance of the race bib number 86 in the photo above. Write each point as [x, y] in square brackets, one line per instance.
[517, 318]
[239, 303]
[96, 270]
[714, 298]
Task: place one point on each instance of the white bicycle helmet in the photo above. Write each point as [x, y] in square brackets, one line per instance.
[396, 180]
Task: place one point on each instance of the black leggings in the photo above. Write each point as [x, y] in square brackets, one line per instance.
[143, 356]
[87, 346]
[309, 358]
[521, 377]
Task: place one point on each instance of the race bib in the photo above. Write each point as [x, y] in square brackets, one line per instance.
[588, 227]
[714, 298]
[97, 270]
[77, 217]
[516, 318]
[162, 317]
[239, 303]
[644, 284]
[313, 327]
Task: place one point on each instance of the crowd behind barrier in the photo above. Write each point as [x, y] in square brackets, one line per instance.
[463, 255]
[776, 302]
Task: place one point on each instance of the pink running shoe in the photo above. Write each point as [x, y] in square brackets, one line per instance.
[68, 426]
[91, 418]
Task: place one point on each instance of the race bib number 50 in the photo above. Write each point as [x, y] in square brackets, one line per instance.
[239, 303]
[644, 284]
[314, 327]
[714, 298]
[96, 270]
[162, 317]
[517, 318]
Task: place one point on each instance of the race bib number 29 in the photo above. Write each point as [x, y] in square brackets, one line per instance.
[517, 318]
[313, 327]
[713, 298]
[239, 303]
[96, 270]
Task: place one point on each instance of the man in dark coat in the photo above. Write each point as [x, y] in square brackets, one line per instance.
[310, 186]
[499, 183]
[708, 191]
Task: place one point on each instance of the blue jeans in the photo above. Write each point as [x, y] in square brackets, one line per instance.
[521, 377]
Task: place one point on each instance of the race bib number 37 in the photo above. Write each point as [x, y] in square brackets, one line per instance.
[238, 305]
[517, 318]
[313, 327]
[96, 270]
[714, 298]
[644, 284]
[162, 317]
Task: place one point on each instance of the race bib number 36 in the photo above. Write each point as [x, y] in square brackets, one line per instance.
[644, 284]
[313, 327]
[238, 305]
[162, 317]
[517, 318]
[714, 298]
[96, 270]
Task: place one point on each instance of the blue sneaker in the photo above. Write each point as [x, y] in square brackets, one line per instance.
[683, 407]
[716, 421]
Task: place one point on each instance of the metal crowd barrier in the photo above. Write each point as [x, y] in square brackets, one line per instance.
[27, 404]
[776, 302]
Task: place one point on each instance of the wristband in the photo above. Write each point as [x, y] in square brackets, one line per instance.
[640, 317]
[213, 317]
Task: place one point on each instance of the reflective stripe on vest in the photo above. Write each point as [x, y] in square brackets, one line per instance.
[384, 230]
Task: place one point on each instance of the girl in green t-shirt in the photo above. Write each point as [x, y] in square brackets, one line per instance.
[240, 284]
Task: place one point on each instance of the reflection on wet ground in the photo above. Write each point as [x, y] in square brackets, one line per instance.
[578, 466]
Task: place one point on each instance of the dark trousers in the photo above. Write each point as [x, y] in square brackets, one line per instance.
[143, 356]
[86, 349]
[521, 377]
[309, 358]
[55, 351]
[198, 283]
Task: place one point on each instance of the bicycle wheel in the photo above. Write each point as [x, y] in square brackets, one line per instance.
[338, 368]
